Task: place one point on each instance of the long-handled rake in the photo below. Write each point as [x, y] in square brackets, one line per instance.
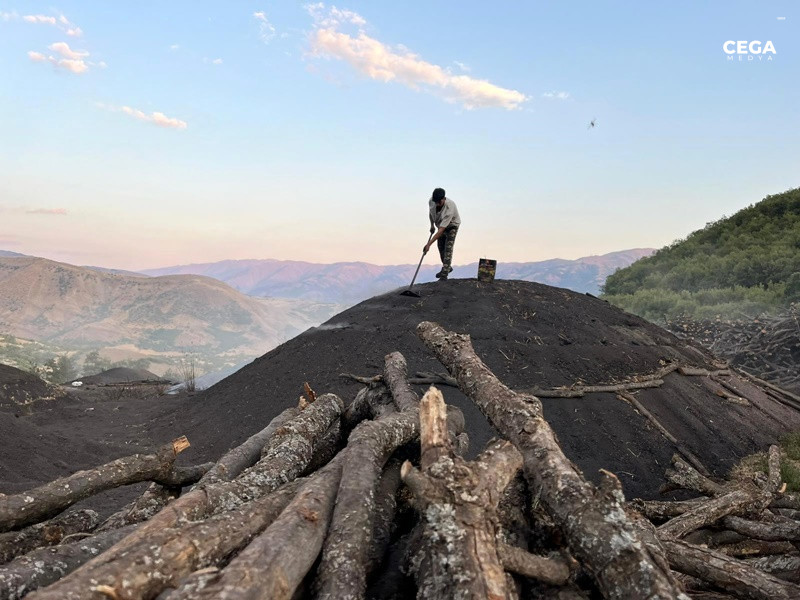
[408, 292]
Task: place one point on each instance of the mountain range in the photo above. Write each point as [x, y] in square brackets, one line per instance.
[79, 307]
[351, 282]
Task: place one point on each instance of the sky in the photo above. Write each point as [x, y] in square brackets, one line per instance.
[145, 134]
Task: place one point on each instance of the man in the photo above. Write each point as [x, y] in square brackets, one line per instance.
[443, 214]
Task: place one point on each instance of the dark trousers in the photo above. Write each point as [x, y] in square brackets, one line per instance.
[445, 245]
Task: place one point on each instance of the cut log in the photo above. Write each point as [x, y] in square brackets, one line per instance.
[51, 498]
[782, 566]
[182, 476]
[658, 510]
[165, 557]
[594, 524]
[286, 455]
[384, 515]
[748, 548]
[275, 563]
[579, 391]
[683, 476]
[457, 502]
[49, 533]
[395, 374]
[727, 574]
[362, 406]
[47, 565]
[152, 500]
[747, 500]
[342, 571]
[289, 452]
[773, 469]
[552, 571]
[785, 531]
[246, 454]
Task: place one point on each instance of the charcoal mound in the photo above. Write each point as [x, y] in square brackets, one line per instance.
[119, 375]
[534, 337]
[19, 388]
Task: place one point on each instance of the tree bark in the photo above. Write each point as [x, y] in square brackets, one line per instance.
[657, 510]
[183, 476]
[342, 571]
[246, 454]
[748, 500]
[727, 574]
[395, 374]
[782, 566]
[541, 568]
[288, 453]
[275, 563]
[152, 500]
[51, 498]
[49, 533]
[683, 476]
[458, 555]
[165, 557]
[783, 531]
[593, 521]
[47, 565]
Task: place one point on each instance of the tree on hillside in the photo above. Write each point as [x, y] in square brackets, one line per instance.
[61, 369]
[93, 363]
[748, 262]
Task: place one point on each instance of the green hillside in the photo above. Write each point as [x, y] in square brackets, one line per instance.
[747, 263]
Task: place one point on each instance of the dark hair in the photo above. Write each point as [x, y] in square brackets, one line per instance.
[438, 194]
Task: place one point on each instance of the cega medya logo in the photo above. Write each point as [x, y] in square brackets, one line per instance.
[749, 51]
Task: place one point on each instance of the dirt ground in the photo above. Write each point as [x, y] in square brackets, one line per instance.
[531, 335]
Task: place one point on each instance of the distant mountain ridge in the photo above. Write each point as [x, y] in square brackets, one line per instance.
[81, 307]
[350, 282]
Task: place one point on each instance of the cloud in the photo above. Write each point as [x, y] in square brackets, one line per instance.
[39, 19]
[174, 47]
[216, 61]
[64, 50]
[557, 95]
[156, 118]
[266, 31]
[8, 16]
[333, 17]
[47, 211]
[378, 61]
[61, 22]
[72, 65]
[462, 66]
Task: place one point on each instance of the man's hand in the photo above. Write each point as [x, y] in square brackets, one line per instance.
[433, 229]
[426, 248]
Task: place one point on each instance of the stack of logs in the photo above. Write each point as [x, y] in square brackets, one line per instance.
[375, 500]
[767, 346]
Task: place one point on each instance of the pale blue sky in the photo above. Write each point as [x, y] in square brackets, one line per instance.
[144, 134]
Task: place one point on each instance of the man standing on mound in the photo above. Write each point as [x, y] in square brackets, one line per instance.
[444, 215]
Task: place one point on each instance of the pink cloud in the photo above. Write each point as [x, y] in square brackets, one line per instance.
[64, 50]
[382, 62]
[378, 61]
[72, 65]
[156, 118]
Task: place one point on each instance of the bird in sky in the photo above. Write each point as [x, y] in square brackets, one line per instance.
[592, 124]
